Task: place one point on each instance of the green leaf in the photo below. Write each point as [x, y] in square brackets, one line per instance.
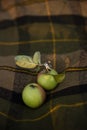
[24, 58]
[25, 61]
[37, 57]
[52, 72]
[59, 77]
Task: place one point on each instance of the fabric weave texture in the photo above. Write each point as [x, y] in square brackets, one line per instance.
[58, 29]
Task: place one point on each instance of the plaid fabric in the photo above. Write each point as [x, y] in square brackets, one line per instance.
[58, 29]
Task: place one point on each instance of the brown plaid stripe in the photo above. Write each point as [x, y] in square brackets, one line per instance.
[12, 9]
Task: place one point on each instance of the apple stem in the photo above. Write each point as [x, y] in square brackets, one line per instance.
[32, 86]
[47, 65]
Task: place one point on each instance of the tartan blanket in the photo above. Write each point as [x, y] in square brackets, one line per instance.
[58, 29]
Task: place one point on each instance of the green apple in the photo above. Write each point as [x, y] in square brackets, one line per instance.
[50, 79]
[47, 80]
[33, 95]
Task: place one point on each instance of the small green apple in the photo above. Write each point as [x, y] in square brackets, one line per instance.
[33, 95]
[47, 80]
[50, 79]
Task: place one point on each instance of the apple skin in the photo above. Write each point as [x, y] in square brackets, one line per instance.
[33, 95]
[47, 80]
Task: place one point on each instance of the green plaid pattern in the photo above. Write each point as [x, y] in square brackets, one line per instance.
[58, 29]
